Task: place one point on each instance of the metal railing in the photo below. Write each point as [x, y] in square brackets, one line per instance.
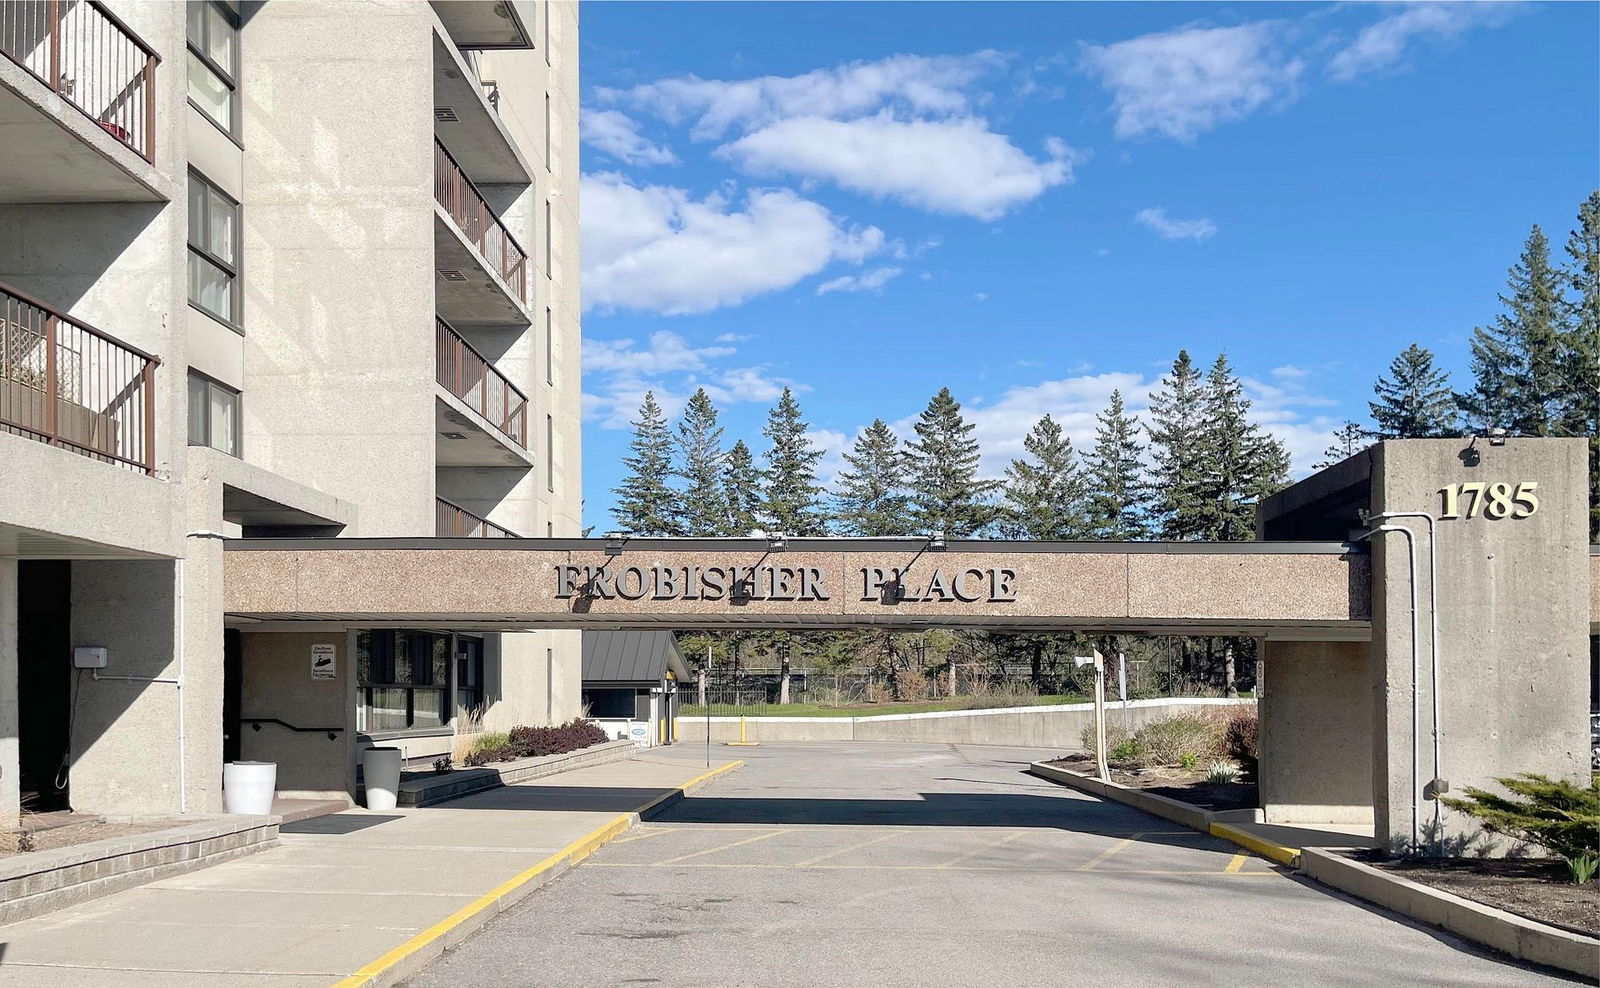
[88, 57]
[466, 205]
[66, 383]
[452, 521]
[464, 372]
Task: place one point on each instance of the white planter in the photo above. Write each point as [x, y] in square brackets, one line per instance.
[247, 787]
[380, 770]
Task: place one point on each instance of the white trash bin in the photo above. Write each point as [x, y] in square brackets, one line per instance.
[380, 771]
[247, 787]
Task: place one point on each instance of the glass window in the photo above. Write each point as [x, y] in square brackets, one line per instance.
[213, 250]
[213, 414]
[213, 62]
[469, 674]
[403, 680]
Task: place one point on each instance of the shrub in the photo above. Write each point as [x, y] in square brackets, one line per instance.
[1167, 741]
[1121, 748]
[1244, 744]
[1221, 773]
[1004, 695]
[913, 685]
[1188, 760]
[532, 742]
[1559, 816]
[879, 693]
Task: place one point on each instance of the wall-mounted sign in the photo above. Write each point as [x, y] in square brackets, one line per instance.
[323, 665]
[888, 584]
[1493, 500]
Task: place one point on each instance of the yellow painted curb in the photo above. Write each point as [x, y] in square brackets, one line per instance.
[569, 855]
[1267, 849]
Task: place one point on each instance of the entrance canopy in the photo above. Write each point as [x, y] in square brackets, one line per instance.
[1287, 590]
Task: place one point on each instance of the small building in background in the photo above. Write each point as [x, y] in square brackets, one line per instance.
[630, 684]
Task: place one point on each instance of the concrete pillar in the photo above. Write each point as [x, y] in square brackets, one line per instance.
[1513, 619]
[1316, 733]
[279, 685]
[10, 768]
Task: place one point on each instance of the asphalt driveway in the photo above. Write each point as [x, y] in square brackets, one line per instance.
[900, 864]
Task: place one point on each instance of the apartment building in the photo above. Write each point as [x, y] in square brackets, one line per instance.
[293, 267]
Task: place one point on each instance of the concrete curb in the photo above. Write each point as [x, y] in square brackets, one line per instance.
[1168, 809]
[1267, 849]
[40, 882]
[427, 946]
[466, 781]
[1521, 938]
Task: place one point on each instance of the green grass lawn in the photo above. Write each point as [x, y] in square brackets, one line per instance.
[875, 709]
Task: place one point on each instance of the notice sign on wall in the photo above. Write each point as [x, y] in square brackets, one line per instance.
[322, 662]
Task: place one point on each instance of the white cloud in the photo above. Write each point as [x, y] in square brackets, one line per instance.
[1382, 45]
[1184, 82]
[869, 281]
[617, 374]
[656, 249]
[955, 166]
[1174, 229]
[667, 352]
[833, 445]
[915, 83]
[734, 337]
[616, 134]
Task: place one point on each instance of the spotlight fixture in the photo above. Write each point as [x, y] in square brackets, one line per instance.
[613, 543]
[936, 540]
[1497, 436]
[777, 542]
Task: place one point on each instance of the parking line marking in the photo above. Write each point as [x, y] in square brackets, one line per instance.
[846, 850]
[724, 847]
[977, 851]
[1108, 852]
[1237, 863]
[983, 868]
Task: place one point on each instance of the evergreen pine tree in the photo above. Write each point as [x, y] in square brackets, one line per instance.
[1239, 462]
[1118, 500]
[793, 503]
[1348, 440]
[1177, 427]
[1044, 492]
[1414, 402]
[872, 497]
[1581, 350]
[741, 485]
[1517, 363]
[942, 469]
[702, 508]
[645, 504]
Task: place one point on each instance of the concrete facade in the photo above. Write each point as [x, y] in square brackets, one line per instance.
[1316, 729]
[334, 352]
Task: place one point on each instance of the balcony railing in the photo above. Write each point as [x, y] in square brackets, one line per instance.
[68, 384]
[452, 521]
[91, 59]
[466, 205]
[464, 372]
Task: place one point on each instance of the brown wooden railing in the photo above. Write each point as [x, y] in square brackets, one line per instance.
[66, 383]
[464, 372]
[91, 59]
[466, 205]
[452, 521]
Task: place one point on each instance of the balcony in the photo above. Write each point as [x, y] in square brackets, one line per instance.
[483, 270]
[76, 104]
[452, 521]
[65, 383]
[487, 422]
[483, 23]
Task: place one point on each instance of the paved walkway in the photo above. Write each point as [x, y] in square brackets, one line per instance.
[338, 893]
[829, 865]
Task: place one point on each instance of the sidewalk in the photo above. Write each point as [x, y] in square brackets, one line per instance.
[356, 892]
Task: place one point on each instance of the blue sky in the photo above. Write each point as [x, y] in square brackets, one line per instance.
[1033, 204]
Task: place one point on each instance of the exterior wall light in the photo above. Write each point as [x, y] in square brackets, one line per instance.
[613, 543]
[1497, 436]
[936, 540]
[777, 542]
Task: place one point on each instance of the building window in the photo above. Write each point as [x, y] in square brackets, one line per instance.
[213, 251]
[549, 240]
[213, 414]
[549, 345]
[214, 63]
[550, 453]
[402, 680]
[549, 124]
[548, 10]
[469, 675]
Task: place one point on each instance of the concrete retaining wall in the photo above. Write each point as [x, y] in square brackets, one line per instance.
[451, 785]
[38, 882]
[1059, 726]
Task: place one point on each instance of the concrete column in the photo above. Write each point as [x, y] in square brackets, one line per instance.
[1316, 733]
[1513, 619]
[278, 684]
[10, 768]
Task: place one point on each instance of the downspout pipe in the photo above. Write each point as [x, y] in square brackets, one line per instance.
[1416, 634]
[1433, 663]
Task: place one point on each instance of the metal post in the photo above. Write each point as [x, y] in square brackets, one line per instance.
[1100, 717]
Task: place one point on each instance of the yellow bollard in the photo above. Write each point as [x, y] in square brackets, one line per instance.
[742, 743]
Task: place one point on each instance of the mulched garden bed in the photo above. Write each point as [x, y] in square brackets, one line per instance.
[1185, 785]
[1534, 888]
